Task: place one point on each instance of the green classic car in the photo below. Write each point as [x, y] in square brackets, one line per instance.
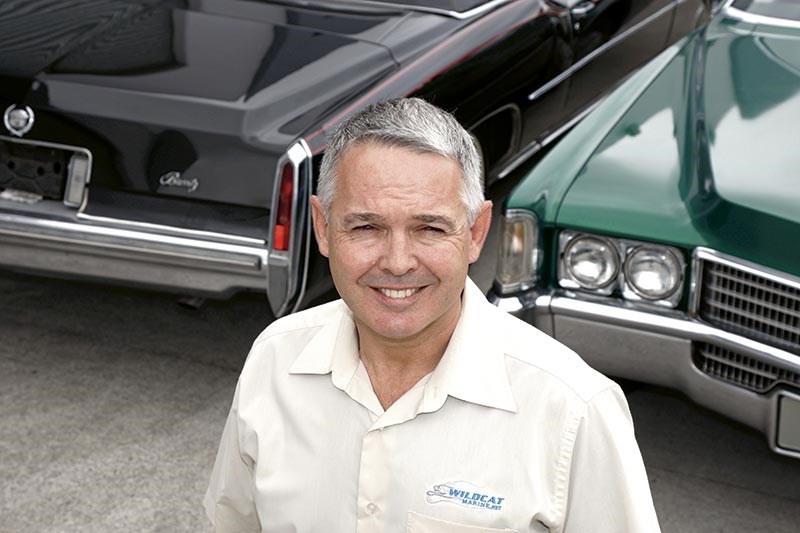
[660, 238]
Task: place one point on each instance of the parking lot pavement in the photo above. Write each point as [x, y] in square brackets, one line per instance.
[708, 474]
[112, 402]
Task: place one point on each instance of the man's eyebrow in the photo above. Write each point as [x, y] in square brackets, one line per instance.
[350, 218]
[436, 219]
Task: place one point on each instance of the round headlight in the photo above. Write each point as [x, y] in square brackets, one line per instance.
[653, 273]
[592, 262]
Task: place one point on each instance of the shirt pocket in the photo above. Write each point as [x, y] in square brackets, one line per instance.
[418, 523]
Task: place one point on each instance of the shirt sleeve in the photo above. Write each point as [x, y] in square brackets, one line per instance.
[229, 500]
[608, 487]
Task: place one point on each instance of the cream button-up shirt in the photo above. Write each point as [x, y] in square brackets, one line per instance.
[510, 432]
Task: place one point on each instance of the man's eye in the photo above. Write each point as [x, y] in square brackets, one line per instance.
[432, 229]
[365, 227]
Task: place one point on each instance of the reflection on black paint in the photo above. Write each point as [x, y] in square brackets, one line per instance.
[352, 24]
[138, 45]
[290, 51]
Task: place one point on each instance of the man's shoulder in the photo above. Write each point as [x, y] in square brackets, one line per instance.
[303, 322]
[276, 348]
[531, 352]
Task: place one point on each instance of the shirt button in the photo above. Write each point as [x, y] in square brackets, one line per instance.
[372, 508]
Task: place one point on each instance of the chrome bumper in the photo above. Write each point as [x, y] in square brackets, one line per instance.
[197, 263]
[632, 343]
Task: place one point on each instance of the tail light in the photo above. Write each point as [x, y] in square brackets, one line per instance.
[290, 235]
[283, 221]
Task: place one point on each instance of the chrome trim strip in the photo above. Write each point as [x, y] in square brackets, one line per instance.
[531, 150]
[520, 302]
[526, 153]
[674, 325]
[461, 15]
[304, 277]
[177, 231]
[695, 284]
[561, 130]
[747, 266]
[750, 18]
[55, 230]
[597, 51]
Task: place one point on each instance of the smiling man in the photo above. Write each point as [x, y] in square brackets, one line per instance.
[412, 404]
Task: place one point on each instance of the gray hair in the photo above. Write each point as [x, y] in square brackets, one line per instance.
[410, 123]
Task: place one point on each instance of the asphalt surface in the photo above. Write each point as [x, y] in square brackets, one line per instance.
[112, 402]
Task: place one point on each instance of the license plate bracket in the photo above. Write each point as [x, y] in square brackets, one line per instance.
[44, 170]
[35, 169]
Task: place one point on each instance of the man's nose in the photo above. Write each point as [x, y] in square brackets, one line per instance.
[399, 255]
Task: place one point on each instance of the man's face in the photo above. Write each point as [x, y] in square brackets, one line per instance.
[398, 239]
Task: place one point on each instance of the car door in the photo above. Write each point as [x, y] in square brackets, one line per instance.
[610, 39]
[497, 62]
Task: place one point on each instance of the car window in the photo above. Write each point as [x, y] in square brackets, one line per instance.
[785, 9]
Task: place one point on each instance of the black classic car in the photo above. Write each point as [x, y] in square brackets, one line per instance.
[172, 144]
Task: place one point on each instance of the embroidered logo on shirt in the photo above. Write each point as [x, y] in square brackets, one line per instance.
[465, 494]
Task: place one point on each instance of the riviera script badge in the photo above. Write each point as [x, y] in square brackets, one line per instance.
[465, 494]
[174, 179]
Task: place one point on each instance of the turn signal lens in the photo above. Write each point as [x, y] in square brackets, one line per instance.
[653, 273]
[591, 262]
[519, 251]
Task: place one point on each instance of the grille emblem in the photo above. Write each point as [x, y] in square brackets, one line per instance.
[18, 119]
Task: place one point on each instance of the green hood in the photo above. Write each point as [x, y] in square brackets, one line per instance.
[703, 153]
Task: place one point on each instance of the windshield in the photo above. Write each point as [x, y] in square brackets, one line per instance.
[783, 9]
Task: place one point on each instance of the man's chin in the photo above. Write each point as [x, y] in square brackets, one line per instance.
[394, 329]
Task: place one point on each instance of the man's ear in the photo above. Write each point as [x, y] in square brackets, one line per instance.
[479, 231]
[320, 225]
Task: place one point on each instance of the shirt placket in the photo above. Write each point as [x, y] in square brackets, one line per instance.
[373, 483]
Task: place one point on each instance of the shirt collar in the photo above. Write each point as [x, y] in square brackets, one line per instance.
[472, 369]
[333, 349]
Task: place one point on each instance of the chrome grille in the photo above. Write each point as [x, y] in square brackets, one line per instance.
[740, 369]
[751, 305]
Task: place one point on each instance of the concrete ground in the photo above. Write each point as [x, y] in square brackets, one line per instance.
[112, 402]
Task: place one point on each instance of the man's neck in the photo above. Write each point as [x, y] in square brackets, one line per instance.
[395, 366]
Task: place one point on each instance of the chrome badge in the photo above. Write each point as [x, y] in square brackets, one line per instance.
[174, 179]
[18, 119]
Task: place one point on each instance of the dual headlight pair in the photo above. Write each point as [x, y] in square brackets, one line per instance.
[640, 271]
[592, 263]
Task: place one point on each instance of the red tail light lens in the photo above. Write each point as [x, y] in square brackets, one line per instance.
[283, 220]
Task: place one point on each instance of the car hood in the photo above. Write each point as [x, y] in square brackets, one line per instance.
[250, 68]
[704, 153]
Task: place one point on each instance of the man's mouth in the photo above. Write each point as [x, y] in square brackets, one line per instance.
[397, 294]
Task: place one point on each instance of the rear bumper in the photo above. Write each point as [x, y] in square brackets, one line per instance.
[191, 262]
[632, 343]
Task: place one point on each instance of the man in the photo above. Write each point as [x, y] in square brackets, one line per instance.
[413, 404]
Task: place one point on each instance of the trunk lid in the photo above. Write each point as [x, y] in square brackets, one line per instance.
[213, 91]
